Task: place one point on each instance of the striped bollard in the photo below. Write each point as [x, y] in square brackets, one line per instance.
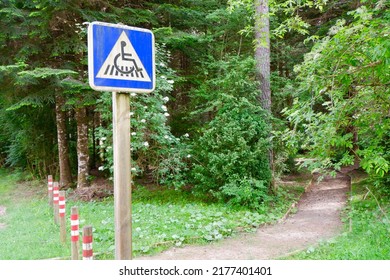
[61, 213]
[56, 190]
[50, 189]
[87, 243]
[74, 232]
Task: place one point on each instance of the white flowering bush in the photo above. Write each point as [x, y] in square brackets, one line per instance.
[155, 151]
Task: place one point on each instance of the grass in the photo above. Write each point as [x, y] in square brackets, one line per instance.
[161, 219]
[366, 233]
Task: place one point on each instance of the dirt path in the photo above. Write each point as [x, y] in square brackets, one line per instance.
[2, 212]
[317, 218]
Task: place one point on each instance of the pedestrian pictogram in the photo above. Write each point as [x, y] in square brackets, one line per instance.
[123, 63]
[120, 58]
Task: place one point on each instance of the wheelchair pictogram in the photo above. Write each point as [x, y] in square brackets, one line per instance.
[123, 63]
[122, 58]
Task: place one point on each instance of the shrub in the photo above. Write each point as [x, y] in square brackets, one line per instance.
[232, 155]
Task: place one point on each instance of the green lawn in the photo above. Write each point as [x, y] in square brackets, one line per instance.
[161, 219]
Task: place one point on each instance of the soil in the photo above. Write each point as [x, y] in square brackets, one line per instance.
[2, 212]
[99, 189]
[318, 218]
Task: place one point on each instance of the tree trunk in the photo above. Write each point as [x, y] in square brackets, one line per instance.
[262, 52]
[63, 149]
[82, 147]
[263, 64]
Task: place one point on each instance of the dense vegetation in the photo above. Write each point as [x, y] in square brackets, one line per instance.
[206, 127]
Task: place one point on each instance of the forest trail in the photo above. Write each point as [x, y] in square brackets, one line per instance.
[2, 213]
[317, 218]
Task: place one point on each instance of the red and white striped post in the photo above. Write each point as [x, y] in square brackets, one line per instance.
[87, 243]
[56, 190]
[61, 212]
[50, 189]
[74, 232]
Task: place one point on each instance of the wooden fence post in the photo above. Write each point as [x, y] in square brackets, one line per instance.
[56, 190]
[74, 230]
[87, 243]
[61, 212]
[50, 189]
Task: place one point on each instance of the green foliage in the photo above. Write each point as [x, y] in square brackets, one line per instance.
[155, 150]
[212, 104]
[230, 159]
[341, 110]
[232, 163]
[284, 15]
[27, 109]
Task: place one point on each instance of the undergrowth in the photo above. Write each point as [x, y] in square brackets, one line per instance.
[161, 218]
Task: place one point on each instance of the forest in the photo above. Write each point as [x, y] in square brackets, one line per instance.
[246, 92]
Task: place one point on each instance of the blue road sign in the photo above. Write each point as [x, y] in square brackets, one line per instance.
[120, 58]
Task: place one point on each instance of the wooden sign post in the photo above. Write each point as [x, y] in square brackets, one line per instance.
[122, 176]
[121, 59]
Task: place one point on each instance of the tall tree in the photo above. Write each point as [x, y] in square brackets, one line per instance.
[62, 138]
[263, 62]
[263, 52]
[82, 147]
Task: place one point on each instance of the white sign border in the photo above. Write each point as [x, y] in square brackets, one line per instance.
[91, 77]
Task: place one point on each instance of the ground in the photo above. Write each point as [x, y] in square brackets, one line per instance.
[2, 212]
[317, 218]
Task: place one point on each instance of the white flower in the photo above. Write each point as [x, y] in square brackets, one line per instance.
[133, 94]
[186, 135]
[146, 144]
[134, 133]
[131, 114]
[163, 77]
[166, 98]
[162, 64]
[103, 139]
[188, 156]
[101, 168]
[143, 121]
[133, 169]
[164, 108]
[166, 114]
[171, 82]
[166, 137]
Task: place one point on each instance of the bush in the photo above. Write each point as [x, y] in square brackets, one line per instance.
[232, 155]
